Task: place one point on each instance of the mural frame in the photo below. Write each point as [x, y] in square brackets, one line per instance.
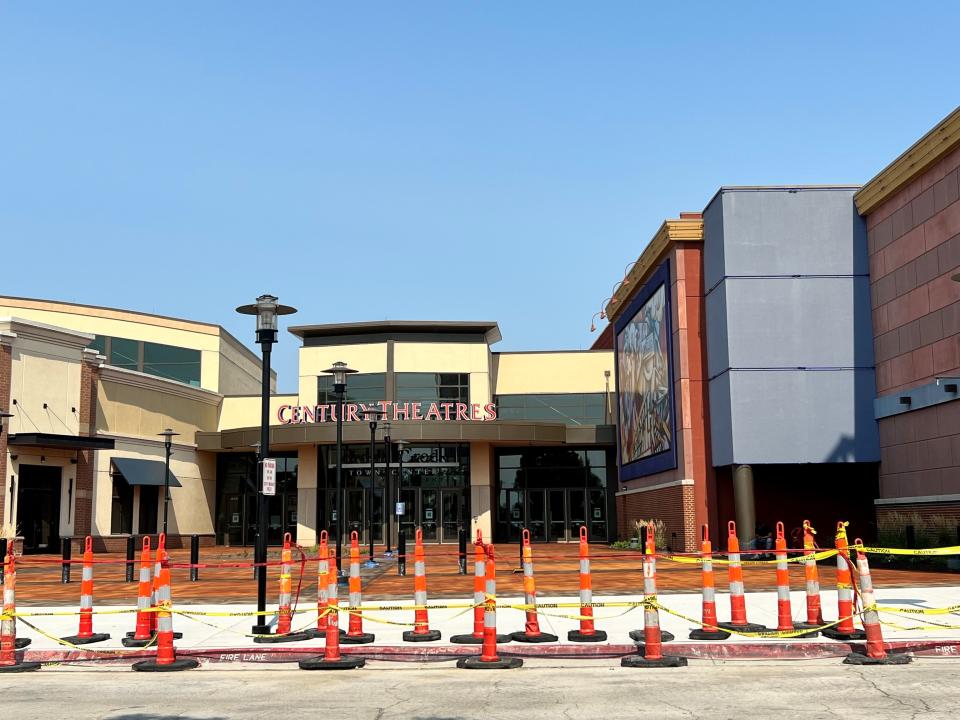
[665, 459]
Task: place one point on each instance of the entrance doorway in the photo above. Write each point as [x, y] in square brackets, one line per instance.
[240, 517]
[553, 515]
[438, 512]
[38, 508]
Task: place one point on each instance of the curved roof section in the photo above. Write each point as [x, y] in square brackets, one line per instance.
[490, 330]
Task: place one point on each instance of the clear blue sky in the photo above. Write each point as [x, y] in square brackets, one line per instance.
[415, 160]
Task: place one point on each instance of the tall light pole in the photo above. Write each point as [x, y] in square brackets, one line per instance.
[266, 310]
[401, 444]
[167, 436]
[388, 486]
[372, 417]
[339, 372]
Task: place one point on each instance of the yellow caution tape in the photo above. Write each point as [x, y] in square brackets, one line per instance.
[765, 634]
[85, 648]
[952, 610]
[694, 560]
[951, 550]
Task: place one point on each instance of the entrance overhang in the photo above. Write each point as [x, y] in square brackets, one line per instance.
[498, 432]
[61, 442]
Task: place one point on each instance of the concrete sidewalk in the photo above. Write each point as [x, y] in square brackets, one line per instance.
[225, 638]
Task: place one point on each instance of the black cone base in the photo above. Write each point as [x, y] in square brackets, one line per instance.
[154, 666]
[474, 640]
[811, 634]
[701, 634]
[95, 638]
[808, 626]
[835, 634]
[359, 639]
[667, 661]
[428, 636]
[475, 663]
[20, 667]
[134, 643]
[522, 636]
[344, 663]
[745, 628]
[637, 636]
[596, 636]
[21, 643]
[282, 638]
[314, 634]
[176, 636]
[858, 659]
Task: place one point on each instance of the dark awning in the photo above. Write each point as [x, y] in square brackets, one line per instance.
[62, 442]
[143, 472]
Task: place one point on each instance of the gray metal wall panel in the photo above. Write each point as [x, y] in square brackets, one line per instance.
[721, 421]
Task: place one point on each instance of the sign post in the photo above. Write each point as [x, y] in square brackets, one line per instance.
[270, 476]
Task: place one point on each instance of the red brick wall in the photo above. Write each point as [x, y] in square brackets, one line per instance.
[674, 505]
[914, 245]
[6, 369]
[83, 495]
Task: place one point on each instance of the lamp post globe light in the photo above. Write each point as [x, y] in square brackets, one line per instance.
[387, 486]
[266, 310]
[167, 436]
[339, 371]
[372, 417]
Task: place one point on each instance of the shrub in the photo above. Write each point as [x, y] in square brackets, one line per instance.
[659, 531]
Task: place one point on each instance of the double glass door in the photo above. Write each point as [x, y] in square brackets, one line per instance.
[438, 512]
[552, 515]
[241, 517]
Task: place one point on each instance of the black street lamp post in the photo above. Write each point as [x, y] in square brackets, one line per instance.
[266, 310]
[339, 372]
[372, 417]
[388, 486]
[167, 436]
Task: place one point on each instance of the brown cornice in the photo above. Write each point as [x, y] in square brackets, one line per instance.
[919, 157]
[672, 231]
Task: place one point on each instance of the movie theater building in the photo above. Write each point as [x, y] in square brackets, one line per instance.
[492, 441]
[744, 367]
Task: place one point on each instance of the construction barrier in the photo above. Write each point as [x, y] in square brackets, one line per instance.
[651, 651]
[285, 610]
[85, 635]
[9, 662]
[355, 634]
[708, 629]
[784, 609]
[323, 581]
[331, 658]
[421, 628]
[143, 634]
[479, 597]
[531, 632]
[166, 659]
[738, 606]
[812, 580]
[587, 631]
[844, 629]
[489, 659]
[876, 653]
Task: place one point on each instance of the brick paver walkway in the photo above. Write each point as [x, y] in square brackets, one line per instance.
[556, 566]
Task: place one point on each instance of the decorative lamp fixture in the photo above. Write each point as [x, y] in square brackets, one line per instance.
[266, 309]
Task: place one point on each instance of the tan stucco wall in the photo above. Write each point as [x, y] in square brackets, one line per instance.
[481, 482]
[367, 358]
[191, 506]
[241, 412]
[552, 372]
[307, 495]
[44, 372]
[239, 373]
[137, 411]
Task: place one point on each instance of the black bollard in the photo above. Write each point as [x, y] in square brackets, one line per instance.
[462, 556]
[131, 551]
[401, 553]
[3, 554]
[194, 558]
[65, 566]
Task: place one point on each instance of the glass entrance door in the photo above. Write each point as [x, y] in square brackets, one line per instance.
[439, 513]
[451, 515]
[559, 520]
[355, 516]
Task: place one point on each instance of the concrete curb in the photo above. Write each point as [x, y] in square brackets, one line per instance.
[419, 653]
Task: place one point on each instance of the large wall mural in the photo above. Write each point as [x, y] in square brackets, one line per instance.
[644, 386]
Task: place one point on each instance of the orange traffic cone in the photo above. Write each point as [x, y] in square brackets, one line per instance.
[85, 635]
[355, 634]
[489, 659]
[166, 658]
[531, 632]
[844, 630]
[8, 625]
[479, 593]
[651, 651]
[876, 653]
[331, 658]
[812, 578]
[708, 629]
[285, 611]
[587, 632]
[143, 635]
[421, 627]
[738, 603]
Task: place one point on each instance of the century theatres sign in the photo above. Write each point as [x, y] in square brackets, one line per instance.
[357, 412]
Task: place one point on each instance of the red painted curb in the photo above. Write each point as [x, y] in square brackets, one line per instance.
[419, 653]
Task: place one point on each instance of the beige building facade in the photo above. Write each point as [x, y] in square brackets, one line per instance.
[89, 389]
